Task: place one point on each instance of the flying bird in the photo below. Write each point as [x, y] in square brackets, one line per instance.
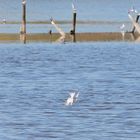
[72, 99]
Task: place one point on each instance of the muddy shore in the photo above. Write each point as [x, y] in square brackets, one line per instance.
[79, 37]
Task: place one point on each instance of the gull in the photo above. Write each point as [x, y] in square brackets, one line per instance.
[72, 99]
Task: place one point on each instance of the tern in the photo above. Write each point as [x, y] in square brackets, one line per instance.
[24, 2]
[72, 99]
[4, 21]
[133, 10]
[122, 26]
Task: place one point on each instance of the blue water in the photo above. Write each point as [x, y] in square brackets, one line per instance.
[87, 10]
[35, 81]
[36, 78]
[61, 10]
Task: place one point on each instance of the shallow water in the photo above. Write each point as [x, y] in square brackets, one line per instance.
[35, 80]
[89, 10]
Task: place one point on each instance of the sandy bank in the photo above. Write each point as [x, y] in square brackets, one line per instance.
[79, 37]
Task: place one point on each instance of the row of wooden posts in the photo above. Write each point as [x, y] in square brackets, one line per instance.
[23, 25]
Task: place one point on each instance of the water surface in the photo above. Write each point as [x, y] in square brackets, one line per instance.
[35, 80]
[89, 10]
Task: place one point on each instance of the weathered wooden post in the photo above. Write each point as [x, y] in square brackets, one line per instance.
[62, 33]
[72, 32]
[23, 24]
[50, 33]
[137, 19]
[74, 20]
[135, 23]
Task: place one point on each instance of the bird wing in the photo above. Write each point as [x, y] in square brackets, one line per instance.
[76, 96]
[72, 94]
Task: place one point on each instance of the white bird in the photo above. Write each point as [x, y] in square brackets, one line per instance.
[122, 26]
[73, 7]
[4, 21]
[72, 99]
[136, 11]
[24, 2]
[133, 10]
[76, 96]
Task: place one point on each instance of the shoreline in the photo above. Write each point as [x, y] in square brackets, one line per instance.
[79, 37]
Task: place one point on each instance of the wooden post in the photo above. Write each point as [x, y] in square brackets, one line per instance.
[63, 35]
[72, 32]
[137, 18]
[23, 26]
[134, 23]
[74, 21]
[50, 33]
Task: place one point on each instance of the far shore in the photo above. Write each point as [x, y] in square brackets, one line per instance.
[68, 22]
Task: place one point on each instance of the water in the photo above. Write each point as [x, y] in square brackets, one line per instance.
[35, 80]
[61, 10]
[89, 10]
